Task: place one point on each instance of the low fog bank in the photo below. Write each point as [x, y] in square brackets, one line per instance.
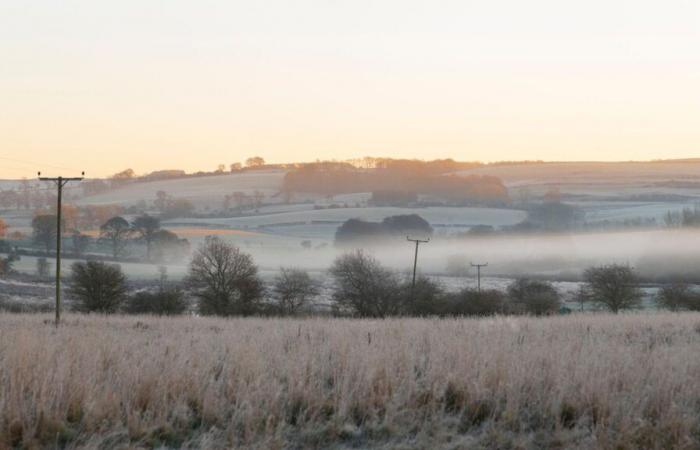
[658, 255]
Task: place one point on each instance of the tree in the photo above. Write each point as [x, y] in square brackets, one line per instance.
[42, 267]
[168, 246]
[363, 287]
[178, 207]
[614, 286]
[44, 231]
[145, 227]
[235, 167]
[161, 201]
[258, 198]
[97, 287]
[116, 232]
[678, 296]
[225, 279]
[80, 242]
[534, 297]
[255, 161]
[293, 289]
[6, 264]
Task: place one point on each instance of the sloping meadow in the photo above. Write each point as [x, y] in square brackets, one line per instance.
[581, 381]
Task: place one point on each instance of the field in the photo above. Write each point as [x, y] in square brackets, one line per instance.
[581, 381]
[203, 191]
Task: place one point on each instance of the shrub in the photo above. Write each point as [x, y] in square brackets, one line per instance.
[471, 302]
[533, 297]
[97, 287]
[164, 302]
[425, 299]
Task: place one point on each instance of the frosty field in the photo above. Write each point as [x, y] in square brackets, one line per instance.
[579, 382]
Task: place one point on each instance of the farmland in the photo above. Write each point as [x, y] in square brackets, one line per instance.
[580, 382]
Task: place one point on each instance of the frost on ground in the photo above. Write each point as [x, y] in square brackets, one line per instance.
[581, 381]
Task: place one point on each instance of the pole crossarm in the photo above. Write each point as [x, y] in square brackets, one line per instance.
[60, 184]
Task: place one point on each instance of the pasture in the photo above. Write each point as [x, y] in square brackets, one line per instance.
[581, 381]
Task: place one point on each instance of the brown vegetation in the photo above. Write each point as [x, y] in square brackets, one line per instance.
[610, 382]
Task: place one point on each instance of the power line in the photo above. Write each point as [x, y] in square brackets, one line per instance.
[34, 163]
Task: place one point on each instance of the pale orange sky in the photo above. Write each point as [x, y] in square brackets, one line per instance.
[100, 86]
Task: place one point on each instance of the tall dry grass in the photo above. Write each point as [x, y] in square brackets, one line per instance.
[603, 381]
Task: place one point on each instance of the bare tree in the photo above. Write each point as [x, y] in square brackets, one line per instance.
[363, 287]
[293, 289]
[116, 231]
[225, 280]
[614, 286]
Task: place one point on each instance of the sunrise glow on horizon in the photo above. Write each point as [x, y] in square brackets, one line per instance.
[155, 85]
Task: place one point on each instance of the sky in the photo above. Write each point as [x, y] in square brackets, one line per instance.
[104, 86]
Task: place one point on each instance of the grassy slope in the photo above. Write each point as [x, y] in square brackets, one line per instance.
[599, 381]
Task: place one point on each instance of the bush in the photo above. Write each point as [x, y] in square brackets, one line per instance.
[471, 302]
[363, 287]
[425, 299]
[97, 287]
[533, 297]
[164, 302]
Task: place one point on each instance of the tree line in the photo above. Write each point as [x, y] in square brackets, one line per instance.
[116, 233]
[222, 280]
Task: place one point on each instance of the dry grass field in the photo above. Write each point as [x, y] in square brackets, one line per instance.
[580, 381]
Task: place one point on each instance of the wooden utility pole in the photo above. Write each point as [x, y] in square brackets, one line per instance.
[478, 274]
[415, 258]
[60, 183]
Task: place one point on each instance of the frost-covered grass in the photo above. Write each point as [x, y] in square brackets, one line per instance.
[582, 381]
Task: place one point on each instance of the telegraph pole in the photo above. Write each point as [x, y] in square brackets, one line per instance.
[415, 258]
[60, 183]
[478, 274]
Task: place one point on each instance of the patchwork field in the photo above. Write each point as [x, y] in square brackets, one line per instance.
[209, 191]
[575, 382]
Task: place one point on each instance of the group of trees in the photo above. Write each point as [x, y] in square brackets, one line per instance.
[116, 233]
[357, 231]
[243, 201]
[341, 178]
[687, 217]
[160, 244]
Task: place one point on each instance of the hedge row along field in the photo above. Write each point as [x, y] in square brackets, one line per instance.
[579, 381]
